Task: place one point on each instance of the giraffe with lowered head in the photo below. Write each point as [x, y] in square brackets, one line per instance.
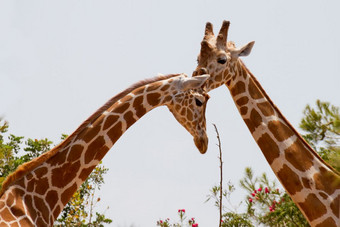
[37, 191]
[312, 184]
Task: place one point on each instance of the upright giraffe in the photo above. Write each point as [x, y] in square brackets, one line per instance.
[312, 184]
[36, 193]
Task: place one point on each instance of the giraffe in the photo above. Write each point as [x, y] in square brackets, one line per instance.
[312, 184]
[37, 191]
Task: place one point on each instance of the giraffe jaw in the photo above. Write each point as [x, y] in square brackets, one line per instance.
[201, 143]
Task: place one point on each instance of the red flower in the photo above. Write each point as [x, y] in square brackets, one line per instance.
[195, 225]
[266, 190]
[183, 211]
[250, 200]
[253, 194]
[260, 189]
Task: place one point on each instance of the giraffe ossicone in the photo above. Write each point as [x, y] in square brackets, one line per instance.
[37, 191]
[312, 184]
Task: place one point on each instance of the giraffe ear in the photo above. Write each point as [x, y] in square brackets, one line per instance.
[243, 51]
[194, 82]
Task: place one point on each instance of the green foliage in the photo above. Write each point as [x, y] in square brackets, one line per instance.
[265, 204]
[181, 223]
[322, 127]
[80, 211]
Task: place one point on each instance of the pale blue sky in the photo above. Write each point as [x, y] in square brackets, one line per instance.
[60, 61]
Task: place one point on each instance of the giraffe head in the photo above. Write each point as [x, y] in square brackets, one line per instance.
[187, 104]
[219, 57]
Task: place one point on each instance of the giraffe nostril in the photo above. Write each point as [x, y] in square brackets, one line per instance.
[203, 71]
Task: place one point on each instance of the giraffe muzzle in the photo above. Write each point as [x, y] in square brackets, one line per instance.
[200, 71]
[201, 143]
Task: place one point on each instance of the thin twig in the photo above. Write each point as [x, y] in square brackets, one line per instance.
[221, 172]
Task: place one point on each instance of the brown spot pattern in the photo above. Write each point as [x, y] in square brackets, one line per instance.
[40, 172]
[253, 90]
[250, 125]
[121, 108]
[255, 118]
[129, 119]
[42, 186]
[290, 180]
[266, 109]
[66, 195]
[91, 132]
[153, 98]
[57, 159]
[243, 110]
[41, 206]
[115, 132]
[30, 209]
[7, 216]
[165, 87]
[325, 181]
[335, 205]
[154, 86]
[306, 182]
[25, 222]
[75, 153]
[238, 88]
[242, 101]
[86, 172]
[138, 106]
[269, 148]
[298, 156]
[313, 207]
[51, 198]
[64, 174]
[56, 212]
[10, 199]
[328, 222]
[189, 115]
[280, 131]
[101, 153]
[93, 148]
[110, 120]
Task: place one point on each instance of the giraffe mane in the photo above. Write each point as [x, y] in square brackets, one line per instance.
[286, 121]
[27, 167]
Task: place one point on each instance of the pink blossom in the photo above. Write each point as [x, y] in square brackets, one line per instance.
[250, 200]
[253, 194]
[195, 225]
[260, 189]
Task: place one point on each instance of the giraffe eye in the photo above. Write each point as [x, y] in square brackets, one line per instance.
[198, 102]
[222, 60]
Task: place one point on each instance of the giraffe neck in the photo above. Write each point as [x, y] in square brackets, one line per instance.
[311, 183]
[38, 197]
